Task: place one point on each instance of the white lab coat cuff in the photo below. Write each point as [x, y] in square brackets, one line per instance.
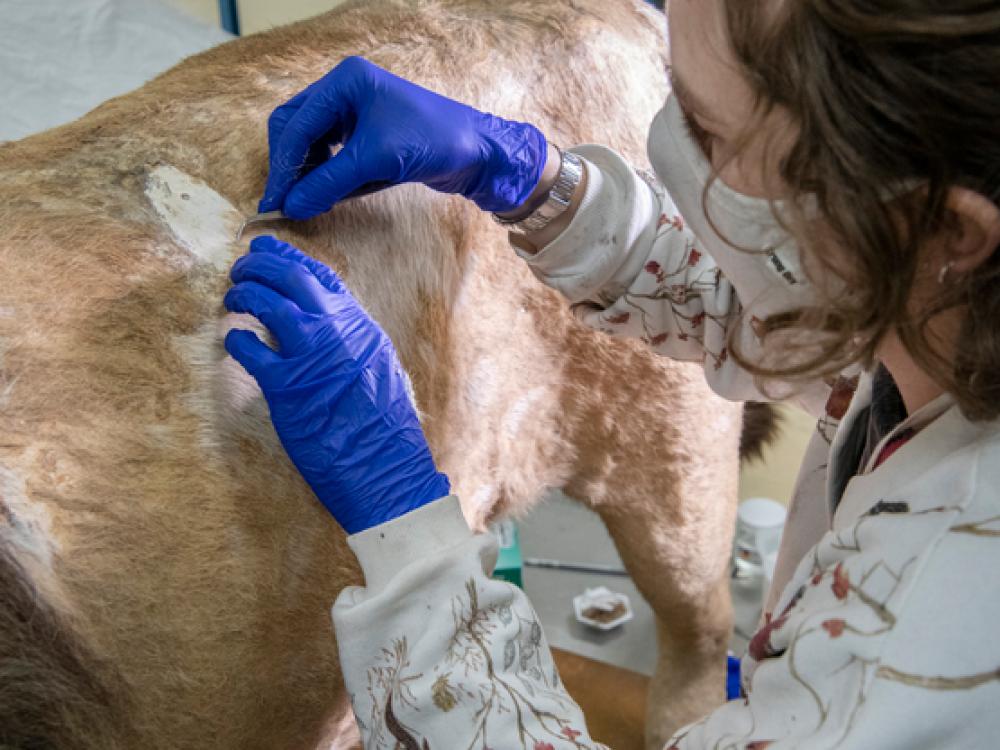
[386, 549]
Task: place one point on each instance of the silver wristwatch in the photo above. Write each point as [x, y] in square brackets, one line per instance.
[557, 201]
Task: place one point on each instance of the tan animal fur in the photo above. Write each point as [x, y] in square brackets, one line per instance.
[172, 551]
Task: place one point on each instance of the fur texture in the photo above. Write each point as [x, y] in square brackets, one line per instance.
[183, 571]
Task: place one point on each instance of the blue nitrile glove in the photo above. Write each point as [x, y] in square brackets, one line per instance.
[337, 393]
[392, 132]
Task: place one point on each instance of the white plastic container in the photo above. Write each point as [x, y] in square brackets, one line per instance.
[759, 524]
[603, 600]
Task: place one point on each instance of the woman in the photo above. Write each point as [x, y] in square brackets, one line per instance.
[827, 203]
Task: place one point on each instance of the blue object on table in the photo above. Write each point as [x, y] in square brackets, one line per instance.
[339, 399]
[732, 678]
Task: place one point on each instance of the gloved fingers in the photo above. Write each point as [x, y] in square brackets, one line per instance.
[287, 275]
[282, 317]
[301, 134]
[326, 275]
[283, 167]
[327, 115]
[284, 172]
[345, 174]
[283, 113]
[254, 355]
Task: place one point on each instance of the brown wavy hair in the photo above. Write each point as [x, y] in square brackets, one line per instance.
[883, 94]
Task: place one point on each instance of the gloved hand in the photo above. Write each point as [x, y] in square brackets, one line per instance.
[337, 393]
[392, 132]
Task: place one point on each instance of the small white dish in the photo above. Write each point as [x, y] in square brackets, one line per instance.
[604, 600]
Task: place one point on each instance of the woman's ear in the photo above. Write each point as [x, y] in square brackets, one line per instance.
[977, 234]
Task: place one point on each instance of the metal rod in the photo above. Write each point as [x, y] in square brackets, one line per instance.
[229, 16]
[269, 216]
[606, 570]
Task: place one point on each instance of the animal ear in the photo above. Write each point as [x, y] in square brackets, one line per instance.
[977, 234]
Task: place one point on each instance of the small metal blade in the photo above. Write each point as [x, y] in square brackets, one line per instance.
[268, 216]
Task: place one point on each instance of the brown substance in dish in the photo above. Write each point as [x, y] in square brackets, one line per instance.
[605, 615]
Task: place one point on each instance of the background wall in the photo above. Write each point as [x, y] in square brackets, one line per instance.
[774, 476]
[257, 15]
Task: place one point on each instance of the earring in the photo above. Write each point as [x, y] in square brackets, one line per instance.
[945, 270]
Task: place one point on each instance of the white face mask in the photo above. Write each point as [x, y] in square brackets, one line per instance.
[756, 254]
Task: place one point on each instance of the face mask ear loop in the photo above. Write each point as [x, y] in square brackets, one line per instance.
[945, 270]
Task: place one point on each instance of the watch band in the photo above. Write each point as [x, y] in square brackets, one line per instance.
[559, 198]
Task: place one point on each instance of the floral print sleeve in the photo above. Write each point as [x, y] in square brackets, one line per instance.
[885, 635]
[630, 267]
[437, 656]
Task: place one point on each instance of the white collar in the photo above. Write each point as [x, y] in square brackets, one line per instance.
[917, 421]
[908, 472]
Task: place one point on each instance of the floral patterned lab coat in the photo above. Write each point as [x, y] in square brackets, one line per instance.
[882, 623]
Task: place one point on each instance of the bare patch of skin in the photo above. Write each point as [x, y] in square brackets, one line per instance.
[200, 219]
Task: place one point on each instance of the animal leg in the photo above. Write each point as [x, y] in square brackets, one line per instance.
[682, 574]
